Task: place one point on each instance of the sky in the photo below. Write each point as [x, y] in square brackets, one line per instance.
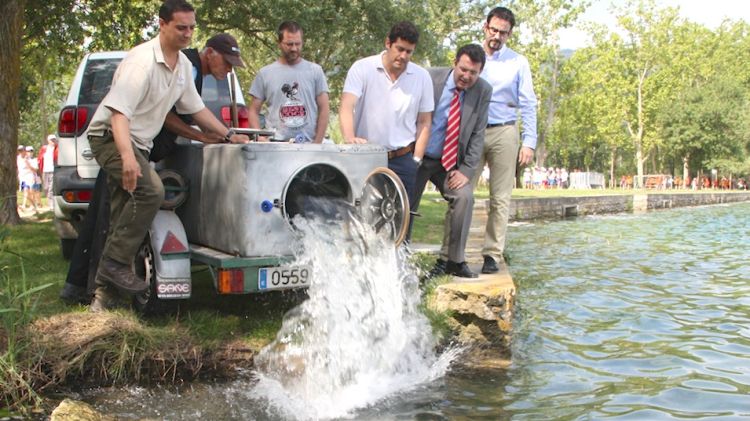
[709, 13]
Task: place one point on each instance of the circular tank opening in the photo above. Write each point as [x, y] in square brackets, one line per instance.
[311, 184]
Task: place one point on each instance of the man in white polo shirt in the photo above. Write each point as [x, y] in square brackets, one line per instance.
[151, 79]
[388, 100]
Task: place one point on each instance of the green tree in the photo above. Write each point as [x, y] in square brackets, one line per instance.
[336, 32]
[705, 124]
[541, 23]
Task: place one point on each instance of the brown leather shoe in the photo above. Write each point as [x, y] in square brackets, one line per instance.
[120, 276]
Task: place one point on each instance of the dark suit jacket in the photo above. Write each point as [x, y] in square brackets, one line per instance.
[474, 107]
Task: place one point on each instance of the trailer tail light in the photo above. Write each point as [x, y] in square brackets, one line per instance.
[243, 117]
[76, 196]
[72, 121]
[172, 245]
[231, 281]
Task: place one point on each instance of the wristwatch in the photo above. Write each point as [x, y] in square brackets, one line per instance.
[228, 136]
[417, 160]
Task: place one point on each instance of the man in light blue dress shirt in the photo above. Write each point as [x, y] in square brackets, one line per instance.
[512, 97]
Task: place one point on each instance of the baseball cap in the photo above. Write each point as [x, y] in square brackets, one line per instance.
[29, 148]
[52, 138]
[21, 148]
[227, 46]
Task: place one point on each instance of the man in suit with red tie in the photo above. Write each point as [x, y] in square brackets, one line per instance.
[454, 148]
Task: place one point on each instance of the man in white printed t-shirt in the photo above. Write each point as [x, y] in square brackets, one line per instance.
[294, 90]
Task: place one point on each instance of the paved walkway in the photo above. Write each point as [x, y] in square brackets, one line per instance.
[474, 257]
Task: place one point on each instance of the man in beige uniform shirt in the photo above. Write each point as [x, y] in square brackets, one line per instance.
[152, 78]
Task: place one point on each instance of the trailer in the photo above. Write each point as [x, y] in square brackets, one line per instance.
[230, 207]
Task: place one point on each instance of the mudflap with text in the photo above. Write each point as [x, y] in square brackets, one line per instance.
[171, 257]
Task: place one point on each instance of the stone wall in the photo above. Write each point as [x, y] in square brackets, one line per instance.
[670, 200]
[523, 209]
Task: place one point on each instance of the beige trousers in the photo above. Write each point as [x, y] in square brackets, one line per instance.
[501, 146]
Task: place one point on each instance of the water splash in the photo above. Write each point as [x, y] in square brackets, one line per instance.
[359, 337]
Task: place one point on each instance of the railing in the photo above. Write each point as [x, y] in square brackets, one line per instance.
[586, 180]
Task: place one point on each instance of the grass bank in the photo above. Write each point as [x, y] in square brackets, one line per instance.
[46, 344]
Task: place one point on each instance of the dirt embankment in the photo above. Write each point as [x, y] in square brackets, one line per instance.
[114, 348]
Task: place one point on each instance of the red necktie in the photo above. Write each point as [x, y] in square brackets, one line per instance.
[450, 146]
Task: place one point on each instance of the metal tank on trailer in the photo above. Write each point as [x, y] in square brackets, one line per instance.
[236, 203]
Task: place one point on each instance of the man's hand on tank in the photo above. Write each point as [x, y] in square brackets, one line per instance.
[357, 140]
[239, 138]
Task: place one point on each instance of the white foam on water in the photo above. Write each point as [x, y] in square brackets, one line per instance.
[359, 338]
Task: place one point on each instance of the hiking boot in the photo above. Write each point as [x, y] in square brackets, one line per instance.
[73, 294]
[120, 276]
[490, 265]
[104, 299]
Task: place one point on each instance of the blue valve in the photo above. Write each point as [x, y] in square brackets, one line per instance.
[300, 138]
[266, 206]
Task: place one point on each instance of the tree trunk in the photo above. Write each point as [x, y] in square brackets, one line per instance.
[638, 135]
[549, 119]
[612, 157]
[685, 170]
[11, 29]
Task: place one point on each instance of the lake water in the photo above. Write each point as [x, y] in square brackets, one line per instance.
[621, 317]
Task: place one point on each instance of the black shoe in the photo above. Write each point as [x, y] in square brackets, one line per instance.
[490, 265]
[120, 276]
[438, 269]
[460, 269]
[73, 294]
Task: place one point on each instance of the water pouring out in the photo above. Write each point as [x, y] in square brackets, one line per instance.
[360, 336]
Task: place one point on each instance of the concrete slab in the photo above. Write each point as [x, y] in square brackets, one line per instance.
[494, 284]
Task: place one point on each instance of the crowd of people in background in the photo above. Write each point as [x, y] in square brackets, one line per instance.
[538, 178]
[668, 182]
[35, 174]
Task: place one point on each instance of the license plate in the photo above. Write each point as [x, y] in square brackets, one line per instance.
[283, 277]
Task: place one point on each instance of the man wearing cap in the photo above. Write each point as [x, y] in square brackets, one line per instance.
[217, 58]
[47, 159]
[294, 90]
[150, 80]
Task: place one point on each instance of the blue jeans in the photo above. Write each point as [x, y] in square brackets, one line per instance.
[406, 169]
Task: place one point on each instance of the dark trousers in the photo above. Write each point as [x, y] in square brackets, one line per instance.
[131, 213]
[91, 237]
[459, 212]
[406, 169]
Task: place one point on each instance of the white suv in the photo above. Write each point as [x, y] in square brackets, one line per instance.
[76, 168]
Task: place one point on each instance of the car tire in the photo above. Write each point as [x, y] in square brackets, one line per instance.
[66, 247]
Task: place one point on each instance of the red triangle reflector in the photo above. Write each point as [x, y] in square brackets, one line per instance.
[172, 245]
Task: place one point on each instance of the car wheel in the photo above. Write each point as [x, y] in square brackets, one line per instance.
[66, 246]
